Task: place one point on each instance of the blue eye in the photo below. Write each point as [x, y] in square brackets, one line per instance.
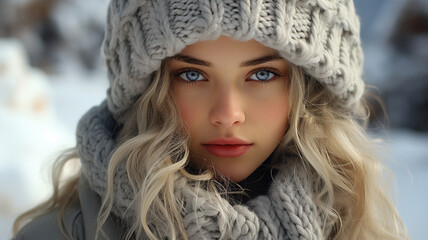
[263, 75]
[191, 76]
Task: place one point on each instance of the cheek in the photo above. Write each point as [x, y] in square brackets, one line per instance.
[276, 111]
[189, 108]
[271, 113]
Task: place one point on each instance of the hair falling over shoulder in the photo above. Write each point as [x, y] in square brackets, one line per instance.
[347, 177]
[65, 193]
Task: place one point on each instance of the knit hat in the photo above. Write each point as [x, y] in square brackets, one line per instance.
[321, 36]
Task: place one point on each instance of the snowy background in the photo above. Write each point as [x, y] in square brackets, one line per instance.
[51, 73]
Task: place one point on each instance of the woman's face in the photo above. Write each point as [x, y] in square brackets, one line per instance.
[233, 97]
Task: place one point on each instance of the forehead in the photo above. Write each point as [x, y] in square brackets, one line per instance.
[226, 47]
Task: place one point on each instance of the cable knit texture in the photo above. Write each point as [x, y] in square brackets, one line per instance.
[286, 212]
[322, 36]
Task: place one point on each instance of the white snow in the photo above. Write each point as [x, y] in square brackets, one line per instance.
[409, 152]
[38, 116]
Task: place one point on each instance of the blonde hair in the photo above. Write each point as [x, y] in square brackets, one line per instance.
[331, 141]
[348, 178]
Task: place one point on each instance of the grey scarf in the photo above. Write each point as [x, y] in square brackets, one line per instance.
[286, 212]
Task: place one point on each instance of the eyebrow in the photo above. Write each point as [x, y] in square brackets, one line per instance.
[253, 62]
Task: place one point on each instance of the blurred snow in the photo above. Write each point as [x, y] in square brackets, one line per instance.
[38, 115]
[22, 88]
[75, 91]
[409, 163]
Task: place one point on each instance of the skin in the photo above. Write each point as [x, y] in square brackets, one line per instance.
[230, 100]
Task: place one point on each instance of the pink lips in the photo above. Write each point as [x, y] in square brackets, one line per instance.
[227, 147]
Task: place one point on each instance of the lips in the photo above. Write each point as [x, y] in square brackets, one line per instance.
[227, 147]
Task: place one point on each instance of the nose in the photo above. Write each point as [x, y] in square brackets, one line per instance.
[227, 109]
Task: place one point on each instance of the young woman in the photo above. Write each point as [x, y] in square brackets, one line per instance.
[224, 120]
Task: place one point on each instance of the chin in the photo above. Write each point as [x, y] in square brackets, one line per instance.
[235, 176]
[237, 179]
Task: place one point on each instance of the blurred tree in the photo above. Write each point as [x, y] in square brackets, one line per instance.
[56, 33]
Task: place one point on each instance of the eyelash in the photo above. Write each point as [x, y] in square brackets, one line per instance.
[183, 70]
[267, 69]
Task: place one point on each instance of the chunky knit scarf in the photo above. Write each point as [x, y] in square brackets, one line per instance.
[286, 212]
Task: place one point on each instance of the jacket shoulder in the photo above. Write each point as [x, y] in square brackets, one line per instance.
[46, 226]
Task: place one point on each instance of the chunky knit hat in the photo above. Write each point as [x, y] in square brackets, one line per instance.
[321, 36]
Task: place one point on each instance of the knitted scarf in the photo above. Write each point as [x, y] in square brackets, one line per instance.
[286, 212]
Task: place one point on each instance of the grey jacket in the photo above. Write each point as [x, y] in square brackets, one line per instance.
[80, 221]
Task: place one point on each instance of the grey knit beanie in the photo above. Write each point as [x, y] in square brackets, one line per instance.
[321, 36]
